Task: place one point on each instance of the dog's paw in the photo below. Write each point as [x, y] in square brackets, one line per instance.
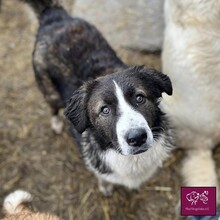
[57, 124]
[105, 188]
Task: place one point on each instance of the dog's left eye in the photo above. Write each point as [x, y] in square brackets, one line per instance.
[105, 110]
[140, 99]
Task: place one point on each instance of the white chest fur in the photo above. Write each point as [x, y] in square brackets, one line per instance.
[133, 170]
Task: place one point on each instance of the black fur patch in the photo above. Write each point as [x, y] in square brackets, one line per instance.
[93, 150]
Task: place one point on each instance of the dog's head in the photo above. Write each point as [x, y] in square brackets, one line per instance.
[122, 108]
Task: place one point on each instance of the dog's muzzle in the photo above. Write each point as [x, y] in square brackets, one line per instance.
[137, 140]
[136, 137]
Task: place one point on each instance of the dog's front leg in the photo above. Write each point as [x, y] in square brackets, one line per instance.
[105, 187]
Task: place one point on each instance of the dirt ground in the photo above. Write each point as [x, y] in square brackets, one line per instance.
[33, 158]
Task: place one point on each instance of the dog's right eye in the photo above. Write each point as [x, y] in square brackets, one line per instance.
[105, 110]
[140, 99]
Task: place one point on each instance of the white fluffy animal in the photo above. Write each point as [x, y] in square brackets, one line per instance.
[15, 208]
[191, 57]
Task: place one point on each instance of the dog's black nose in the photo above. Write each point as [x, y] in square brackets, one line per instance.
[136, 137]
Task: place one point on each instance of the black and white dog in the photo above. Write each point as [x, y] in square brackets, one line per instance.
[124, 135]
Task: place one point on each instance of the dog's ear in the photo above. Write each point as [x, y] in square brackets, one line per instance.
[163, 82]
[76, 108]
[155, 80]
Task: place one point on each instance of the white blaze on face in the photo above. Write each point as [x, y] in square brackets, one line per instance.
[129, 119]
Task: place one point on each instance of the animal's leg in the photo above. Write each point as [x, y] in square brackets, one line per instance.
[105, 187]
[52, 97]
[198, 168]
